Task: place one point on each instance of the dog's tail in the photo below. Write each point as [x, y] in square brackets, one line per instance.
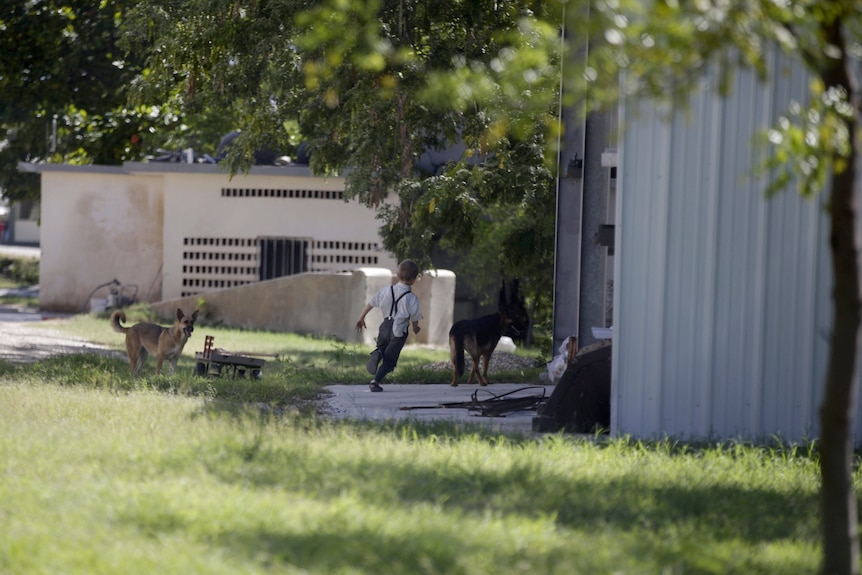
[456, 351]
[116, 318]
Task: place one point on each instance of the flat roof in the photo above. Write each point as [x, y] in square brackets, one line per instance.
[164, 168]
[88, 168]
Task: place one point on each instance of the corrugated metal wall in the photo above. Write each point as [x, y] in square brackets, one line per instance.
[722, 304]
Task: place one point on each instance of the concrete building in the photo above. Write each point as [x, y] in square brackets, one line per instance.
[174, 232]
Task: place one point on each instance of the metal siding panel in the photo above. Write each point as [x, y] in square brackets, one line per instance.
[729, 399]
[794, 226]
[689, 235]
[709, 301]
[675, 296]
[749, 215]
[722, 295]
[636, 403]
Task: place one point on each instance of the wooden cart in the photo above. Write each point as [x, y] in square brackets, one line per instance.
[218, 362]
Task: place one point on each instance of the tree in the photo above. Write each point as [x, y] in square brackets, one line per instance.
[373, 83]
[231, 62]
[658, 49]
[64, 81]
[350, 80]
[490, 205]
[817, 146]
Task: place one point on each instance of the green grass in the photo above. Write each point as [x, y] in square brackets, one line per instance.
[19, 270]
[22, 301]
[110, 481]
[8, 283]
[300, 360]
[103, 473]
[16, 272]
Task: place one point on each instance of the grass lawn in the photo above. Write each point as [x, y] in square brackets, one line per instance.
[302, 361]
[105, 474]
[106, 481]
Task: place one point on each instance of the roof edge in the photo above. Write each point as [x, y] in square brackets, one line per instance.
[31, 168]
[154, 168]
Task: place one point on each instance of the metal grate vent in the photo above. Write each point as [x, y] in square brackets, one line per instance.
[282, 193]
[211, 264]
[218, 263]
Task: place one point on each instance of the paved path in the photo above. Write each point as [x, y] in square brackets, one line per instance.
[23, 336]
[438, 402]
[26, 344]
[26, 337]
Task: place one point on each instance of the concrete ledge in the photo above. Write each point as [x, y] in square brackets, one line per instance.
[323, 305]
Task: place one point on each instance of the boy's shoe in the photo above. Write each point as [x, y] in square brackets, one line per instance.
[373, 361]
[374, 386]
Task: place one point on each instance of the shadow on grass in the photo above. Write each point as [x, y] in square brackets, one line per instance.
[329, 546]
[586, 501]
[332, 549]
[636, 498]
[111, 373]
[637, 512]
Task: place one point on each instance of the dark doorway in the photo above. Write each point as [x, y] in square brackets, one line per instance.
[281, 257]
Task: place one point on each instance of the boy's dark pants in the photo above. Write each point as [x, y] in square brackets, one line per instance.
[390, 357]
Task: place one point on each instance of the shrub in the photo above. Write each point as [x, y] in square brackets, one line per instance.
[23, 271]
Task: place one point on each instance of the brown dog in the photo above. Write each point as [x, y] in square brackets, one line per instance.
[166, 343]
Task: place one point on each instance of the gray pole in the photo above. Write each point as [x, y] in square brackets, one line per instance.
[580, 279]
[593, 278]
[567, 255]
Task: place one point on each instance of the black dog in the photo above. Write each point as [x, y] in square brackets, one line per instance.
[479, 337]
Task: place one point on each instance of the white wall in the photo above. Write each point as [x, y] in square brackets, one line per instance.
[143, 224]
[97, 226]
[196, 208]
[26, 232]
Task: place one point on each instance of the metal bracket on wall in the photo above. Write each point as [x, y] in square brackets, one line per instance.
[605, 237]
[575, 169]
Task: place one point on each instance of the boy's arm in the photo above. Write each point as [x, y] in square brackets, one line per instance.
[360, 323]
[417, 315]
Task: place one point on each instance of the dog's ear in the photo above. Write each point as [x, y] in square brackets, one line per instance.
[195, 315]
[180, 314]
[511, 305]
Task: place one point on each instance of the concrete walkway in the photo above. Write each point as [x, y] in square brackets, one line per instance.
[17, 251]
[428, 403]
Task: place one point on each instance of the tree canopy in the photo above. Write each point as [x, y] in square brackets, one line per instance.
[352, 82]
[442, 115]
[660, 50]
[65, 81]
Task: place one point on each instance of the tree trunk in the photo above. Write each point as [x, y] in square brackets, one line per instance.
[837, 498]
[838, 512]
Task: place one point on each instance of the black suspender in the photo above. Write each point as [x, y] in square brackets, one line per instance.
[395, 302]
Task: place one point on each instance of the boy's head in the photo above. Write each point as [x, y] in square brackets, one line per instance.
[408, 271]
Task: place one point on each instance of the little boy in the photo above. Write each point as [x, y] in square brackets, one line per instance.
[400, 303]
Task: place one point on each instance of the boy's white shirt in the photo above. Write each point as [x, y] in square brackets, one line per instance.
[407, 310]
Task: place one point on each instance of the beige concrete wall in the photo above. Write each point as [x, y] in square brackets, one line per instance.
[436, 291]
[97, 227]
[195, 208]
[324, 305]
[132, 223]
[26, 232]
